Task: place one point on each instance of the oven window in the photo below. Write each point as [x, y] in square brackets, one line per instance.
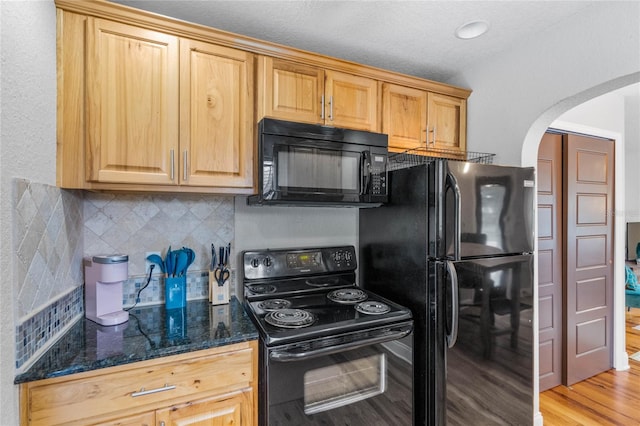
[369, 385]
[312, 169]
[333, 386]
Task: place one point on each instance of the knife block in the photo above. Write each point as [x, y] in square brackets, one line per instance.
[218, 294]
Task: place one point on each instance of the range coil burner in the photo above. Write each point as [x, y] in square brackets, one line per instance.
[263, 289]
[274, 304]
[347, 295]
[290, 318]
[371, 307]
[323, 282]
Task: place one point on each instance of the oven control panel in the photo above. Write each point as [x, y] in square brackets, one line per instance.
[260, 264]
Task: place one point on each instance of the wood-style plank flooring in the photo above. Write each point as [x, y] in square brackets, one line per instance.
[610, 398]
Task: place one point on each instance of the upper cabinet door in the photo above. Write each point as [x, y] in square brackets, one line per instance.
[290, 91]
[216, 116]
[132, 104]
[446, 121]
[404, 112]
[308, 94]
[351, 101]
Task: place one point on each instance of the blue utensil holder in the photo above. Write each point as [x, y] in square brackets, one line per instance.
[176, 323]
[175, 292]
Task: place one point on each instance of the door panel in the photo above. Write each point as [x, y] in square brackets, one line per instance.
[589, 224]
[550, 273]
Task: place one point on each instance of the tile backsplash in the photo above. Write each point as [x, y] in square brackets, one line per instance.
[55, 228]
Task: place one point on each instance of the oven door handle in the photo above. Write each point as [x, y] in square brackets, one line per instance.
[386, 335]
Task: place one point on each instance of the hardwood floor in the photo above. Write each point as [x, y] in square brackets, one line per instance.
[610, 398]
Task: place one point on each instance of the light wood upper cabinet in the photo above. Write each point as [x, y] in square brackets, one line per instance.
[216, 125]
[352, 101]
[149, 103]
[418, 119]
[132, 103]
[144, 110]
[447, 122]
[309, 94]
[404, 113]
[290, 91]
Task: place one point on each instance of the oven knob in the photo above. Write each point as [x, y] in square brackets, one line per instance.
[255, 262]
[267, 262]
[348, 256]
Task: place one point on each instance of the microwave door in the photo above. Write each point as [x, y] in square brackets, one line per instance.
[316, 171]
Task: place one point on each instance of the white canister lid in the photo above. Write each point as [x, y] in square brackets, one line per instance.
[111, 258]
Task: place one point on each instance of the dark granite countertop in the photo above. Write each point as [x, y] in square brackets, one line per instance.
[151, 332]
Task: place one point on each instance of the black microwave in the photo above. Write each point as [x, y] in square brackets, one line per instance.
[315, 165]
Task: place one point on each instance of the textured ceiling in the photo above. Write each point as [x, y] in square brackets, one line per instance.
[411, 37]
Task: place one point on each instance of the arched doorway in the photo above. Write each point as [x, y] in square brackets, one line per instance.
[529, 158]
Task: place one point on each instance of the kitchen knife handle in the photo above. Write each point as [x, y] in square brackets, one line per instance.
[172, 161]
[452, 336]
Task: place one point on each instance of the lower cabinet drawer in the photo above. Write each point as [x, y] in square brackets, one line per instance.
[144, 386]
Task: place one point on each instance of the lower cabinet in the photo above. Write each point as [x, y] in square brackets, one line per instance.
[209, 387]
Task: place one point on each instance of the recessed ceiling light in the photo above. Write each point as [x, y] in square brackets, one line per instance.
[472, 29]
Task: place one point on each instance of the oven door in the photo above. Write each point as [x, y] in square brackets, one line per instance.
[360, 378]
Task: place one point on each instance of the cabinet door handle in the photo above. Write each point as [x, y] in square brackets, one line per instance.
[322, 107]
[184, 165]
[331, 108]
[433, 142]
[143, 392]
[173, 166]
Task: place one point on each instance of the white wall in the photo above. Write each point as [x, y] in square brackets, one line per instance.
[632, 158]
[519, 93]
[28, 145]
[261, 227]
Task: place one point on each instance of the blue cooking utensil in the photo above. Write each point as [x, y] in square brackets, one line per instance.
[168, 262]
[154, 258]
[191, 257]
[182, 260]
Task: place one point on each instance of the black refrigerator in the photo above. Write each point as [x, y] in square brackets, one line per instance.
[455, 244]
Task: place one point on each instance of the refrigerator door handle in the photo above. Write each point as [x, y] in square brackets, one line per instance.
[453, 184]
[452, 336]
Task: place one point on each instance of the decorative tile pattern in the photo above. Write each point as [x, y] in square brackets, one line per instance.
[55, 228]
[47, 239]
[135, 224]
[36, 332]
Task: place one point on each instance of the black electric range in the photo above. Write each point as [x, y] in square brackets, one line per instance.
[301, 294]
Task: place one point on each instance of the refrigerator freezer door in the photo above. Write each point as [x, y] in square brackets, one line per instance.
[490, 368]
[495, 206]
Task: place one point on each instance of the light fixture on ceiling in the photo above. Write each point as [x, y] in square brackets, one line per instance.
[472, 29]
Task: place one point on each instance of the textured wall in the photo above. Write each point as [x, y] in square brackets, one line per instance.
[47, 244]
[28, 146]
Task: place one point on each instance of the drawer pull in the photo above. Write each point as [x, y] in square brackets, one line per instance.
[143, 392]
